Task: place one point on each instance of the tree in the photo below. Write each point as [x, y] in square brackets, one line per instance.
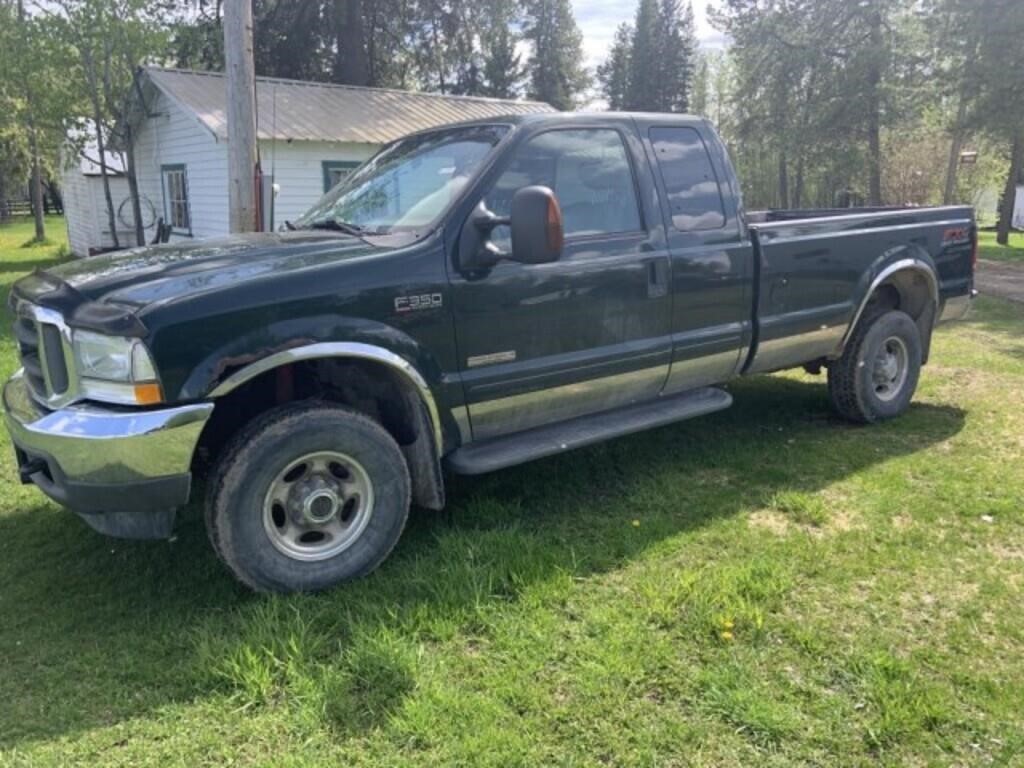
[643, 59]
[700, 89]
[676, 55]
[999, 65]
[110, 39]
[556, 70]
[651, 63]
[35, 100]
[503, 70]
[613, 74]
[351, 65]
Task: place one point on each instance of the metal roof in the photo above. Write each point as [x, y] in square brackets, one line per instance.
[295, 110]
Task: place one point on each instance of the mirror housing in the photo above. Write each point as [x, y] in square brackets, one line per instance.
[537, 235]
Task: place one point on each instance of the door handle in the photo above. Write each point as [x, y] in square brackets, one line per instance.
[657, 277]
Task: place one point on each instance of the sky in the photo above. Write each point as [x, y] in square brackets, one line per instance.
[597, 20]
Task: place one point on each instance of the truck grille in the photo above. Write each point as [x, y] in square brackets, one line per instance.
[41, 348]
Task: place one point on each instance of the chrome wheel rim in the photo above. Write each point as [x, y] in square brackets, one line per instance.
[889, 373]
[317, 506]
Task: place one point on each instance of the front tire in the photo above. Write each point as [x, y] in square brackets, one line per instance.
[877, 374]
[307, 496]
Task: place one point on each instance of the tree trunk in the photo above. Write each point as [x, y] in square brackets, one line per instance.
[133, 186]
[798, 183]
[97, 118]
[351, 36]
[783, 181]
[953, 165]
[1010, 191]
[874, 106]
[37, 187]
[36, 183]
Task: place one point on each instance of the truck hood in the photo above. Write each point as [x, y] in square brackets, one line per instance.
[145, 276]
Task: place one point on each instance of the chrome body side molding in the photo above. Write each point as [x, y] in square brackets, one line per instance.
[341, 349]
[516, 413]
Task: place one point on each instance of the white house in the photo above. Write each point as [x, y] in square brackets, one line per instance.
[85, 204]
[310, 135]
[1018, 208]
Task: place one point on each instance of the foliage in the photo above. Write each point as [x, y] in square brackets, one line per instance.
[36, 99]
[652, 62]
[836, 103]
[437, 45]
[556, 70]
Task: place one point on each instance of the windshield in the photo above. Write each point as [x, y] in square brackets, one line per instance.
[408, 185]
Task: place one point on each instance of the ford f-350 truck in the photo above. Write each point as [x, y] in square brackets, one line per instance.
[472, 297]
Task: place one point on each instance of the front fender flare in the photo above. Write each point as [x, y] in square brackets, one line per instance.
[339, 350]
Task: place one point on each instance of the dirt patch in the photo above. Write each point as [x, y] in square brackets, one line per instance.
[997, 278]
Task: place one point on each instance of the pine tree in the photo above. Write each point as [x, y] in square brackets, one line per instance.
[613, 73]
[556, 70]
[661, 58]
[503, 70]
[644, 66]
[680, 53]
[700, 87]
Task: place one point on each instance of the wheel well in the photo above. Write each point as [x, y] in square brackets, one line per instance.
[910, 291]
[372, 388]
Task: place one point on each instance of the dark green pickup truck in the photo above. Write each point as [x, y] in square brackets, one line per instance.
[471, 298]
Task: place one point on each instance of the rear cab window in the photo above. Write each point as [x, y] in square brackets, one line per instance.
[693, 189]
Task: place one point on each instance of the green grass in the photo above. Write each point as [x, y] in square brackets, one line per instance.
[988, 248]
[764, 586]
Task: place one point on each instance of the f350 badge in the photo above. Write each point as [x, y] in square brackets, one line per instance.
[417, 302]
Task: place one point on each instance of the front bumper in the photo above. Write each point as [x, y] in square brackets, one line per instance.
[125, 471]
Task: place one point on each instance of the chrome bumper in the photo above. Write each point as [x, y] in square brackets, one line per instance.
[104, 460]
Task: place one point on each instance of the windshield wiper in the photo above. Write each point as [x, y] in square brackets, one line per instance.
[339, 226]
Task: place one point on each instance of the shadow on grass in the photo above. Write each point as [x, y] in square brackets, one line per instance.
[96, 631]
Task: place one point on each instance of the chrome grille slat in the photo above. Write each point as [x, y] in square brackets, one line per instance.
[44, 347]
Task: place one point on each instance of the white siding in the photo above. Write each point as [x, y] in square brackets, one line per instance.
[85, 211]
[79, 215]
[171, 137]
[299, 172]
[1018, 208]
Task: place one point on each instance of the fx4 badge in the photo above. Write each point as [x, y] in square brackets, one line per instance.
[417, 302]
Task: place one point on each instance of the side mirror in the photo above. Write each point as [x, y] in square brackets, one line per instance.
[537, 235]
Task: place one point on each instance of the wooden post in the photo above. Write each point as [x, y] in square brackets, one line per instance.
[241, 113]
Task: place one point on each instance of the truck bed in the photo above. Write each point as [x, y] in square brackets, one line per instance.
[814, 268]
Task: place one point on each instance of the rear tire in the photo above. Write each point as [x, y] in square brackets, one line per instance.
[307, 496]
[877, 374]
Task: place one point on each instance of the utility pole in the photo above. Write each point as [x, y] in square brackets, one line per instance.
[241, 94]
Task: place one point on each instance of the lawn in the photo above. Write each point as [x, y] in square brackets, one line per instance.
[765, 586]
[988, 248]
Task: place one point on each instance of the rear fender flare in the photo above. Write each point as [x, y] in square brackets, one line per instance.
[907, 260]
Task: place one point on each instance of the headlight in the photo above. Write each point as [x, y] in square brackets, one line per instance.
[114, 369]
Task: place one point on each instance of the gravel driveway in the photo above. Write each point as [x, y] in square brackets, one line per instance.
[1000, 278]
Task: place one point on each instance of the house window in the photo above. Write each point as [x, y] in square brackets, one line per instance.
[337, 170]
[176, 212]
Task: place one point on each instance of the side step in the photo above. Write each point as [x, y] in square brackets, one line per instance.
[507, 451]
